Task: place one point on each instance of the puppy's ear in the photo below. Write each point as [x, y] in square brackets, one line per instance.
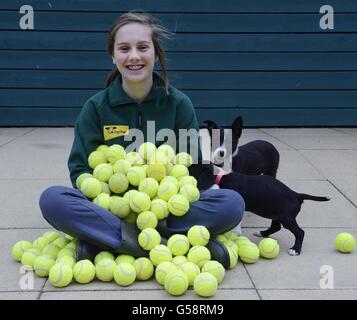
[237, 126]
[210, 126]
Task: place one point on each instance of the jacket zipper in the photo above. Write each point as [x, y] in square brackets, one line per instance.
[139, 120]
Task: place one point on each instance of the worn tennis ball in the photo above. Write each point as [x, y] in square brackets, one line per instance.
[51, 250]
[198, 235]
[146, 219]
[147, 150]
[233, 257]
[160, 208]
[215, 268]
[60, 242]
[183, 158]
[42, 265]
[199, 255]
[140, 202]
[102, 200]
[61, 275]
[118, 183]
[248, 252]
[178, 205]
[105, 188]
[124, 274]
[51, 235]
[103, 255]
[191, 271]
[345, 242]
[168, 151]
[149, 186]
[114, 153]
[156, 171]
[81, 178]
[103, 148]
[232, 245]
[67, 251]
[172, 180]
[104, 269]
[176, 283]
[191, 193]
[178, 244]
[119, 206]
[40, 243]
[205, 284]
[166, 191]
[91, 187]
[162, 271]
[121, 166]
[67, 260]
[29, 257]
[135, 159]
[160, 253]
[179, 260]
[149, 238]
[188, 180]
[121, 258]
[135, 175]
[84, 271]
[269, 248]
[96, 158]
[144, 268]
[19, 249]
[178, 171]
[103, 172]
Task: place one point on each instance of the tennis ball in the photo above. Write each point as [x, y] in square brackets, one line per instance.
[149, 186]
[42, 265]
[205, 284]
[119, 206]
[162, 271]
[40, 243]
[124, 258]
[134, 159]
[102, 200]
[156, 171]
[103, 148]
[84, 271]
[118, 183]
[105, 188]
[198, 235]
[232, 245]
[149, 238]
[191, 271]
[144, 268]
[178, 205]
[114, 153]
[345, 242]
[60, 242]
[172, 180]
[66, 252]
[176, 283]
[248, 252]
[29, 257]
[140, 202]
[215, 268]
[51, 250]
[147, 150]
[61, 275]
[231, 235]
[129, 194]
[233, 257]
[135, 175]
[191, 192]
[124, 274]
[183, 158]
[160, 253]
[104, 269]
[269, 248]
[131, 217]
[179, 260]
[146, 219]
[188, 180]
[103, 172]
[51, 235]
[81, 178]
[67, 260]
[221, 238]
[168, 151]
[91, 187]
[96, 158]
[160, 208]
[199, 255]
[242, 241]
[178, 171]
[166, 191]
[19, 249]
[103, 255]
[121, 166]
[178, 244]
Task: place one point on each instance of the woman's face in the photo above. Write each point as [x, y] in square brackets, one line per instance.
[134, 53]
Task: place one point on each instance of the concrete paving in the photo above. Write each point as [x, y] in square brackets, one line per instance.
[321, 161]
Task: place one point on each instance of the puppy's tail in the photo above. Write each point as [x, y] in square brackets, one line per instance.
[304, 196]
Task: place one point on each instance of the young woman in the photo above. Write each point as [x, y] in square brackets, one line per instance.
[134, 95]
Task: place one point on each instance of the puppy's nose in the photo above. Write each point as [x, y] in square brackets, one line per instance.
[222, 153]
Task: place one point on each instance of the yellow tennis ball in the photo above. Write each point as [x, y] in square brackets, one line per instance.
[121, 258]
[147, 150]
[146, 219]
[178, 171]
[103, 172]
[345, 242]
[105, 188]
[51, 250]
[104, 269]
[221, 238]
[121, 166]
[176, 283]
[102, 200]
[269, 248]
[162, 270]
[191, 192]
[60, 242]
[199, 255]
[129, 194]
[160, 208]
[29, 257]
[172, 180]
[205, 284]
[232, 245]
[149, 238]
[160, 253]
[178, 205]
[215, 268]
[103, 255]
[81, 178]
[188, 180]
[168, 151]
[140, 202]
[67, 251]
[19, 249]
[156, 171]
[84, 271]
[67, 260]
[61, 275]
[103, 148]
[131, 217]
[119, 206]
[144, 268]
[114, 153]
[91, 187]
[231, 235]
[135, 175]
[124, 274]
[191, 271]
[149, 186]
[179, 260]
[40, 243]
[134, 159]
[233, 257]
[166, 191]
[118, 183]
[183, 158]
[42, 265]
[248, 252]
[96, 158]
[51, 235]
[198, 235]
[178, 244]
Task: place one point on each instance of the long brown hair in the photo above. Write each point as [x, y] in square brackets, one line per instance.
[158, 34]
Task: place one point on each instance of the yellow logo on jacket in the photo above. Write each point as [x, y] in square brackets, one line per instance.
[114, 131]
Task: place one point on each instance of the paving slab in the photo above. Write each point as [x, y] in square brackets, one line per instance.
[11, 134]
[34, 295]
[326, 294]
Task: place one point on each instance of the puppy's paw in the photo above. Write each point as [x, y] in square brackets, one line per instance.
[258, 234]
[293, 252]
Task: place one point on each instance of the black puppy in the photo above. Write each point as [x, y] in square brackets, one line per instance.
[269, 198]
[254, 158]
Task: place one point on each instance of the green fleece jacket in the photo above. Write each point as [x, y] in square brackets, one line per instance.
[108, 115]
